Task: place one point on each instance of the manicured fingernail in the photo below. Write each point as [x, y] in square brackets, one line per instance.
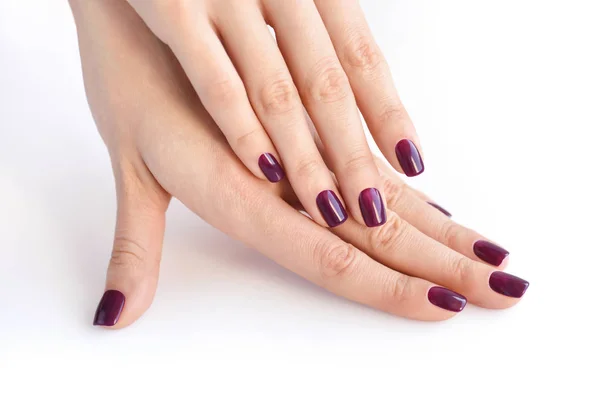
[109, 309]
[372, 207]
[508, 285]
[409, 158]
[440, 208]
[331, 208]
[446, 299]
[270, 167]
[490, 252]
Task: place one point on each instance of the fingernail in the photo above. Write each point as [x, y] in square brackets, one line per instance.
[490, 252]
[440, 208]
[372, 207]
[508, 285]
[331, 208]
[109, 309]
[270, 167]
[446, 299]
[409, 158]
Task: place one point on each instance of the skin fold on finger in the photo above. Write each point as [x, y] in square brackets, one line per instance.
[372, 83]
[275, 99]
[430, 219]
[328, 98]
[401, 246]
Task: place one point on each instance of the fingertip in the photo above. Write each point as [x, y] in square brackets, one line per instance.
[331, 208]
[270, 167]
[109, 309]
[372, 208]
[409, 158]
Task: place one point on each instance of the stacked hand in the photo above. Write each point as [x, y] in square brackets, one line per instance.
[166, 110]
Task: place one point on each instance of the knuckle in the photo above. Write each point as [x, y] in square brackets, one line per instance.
[328, 82]
[390, 236]
[307, 167]
[127, 254]
[174, 17]
[397, 294]
[362, 53]
[278, 96]
[450, 233]
[245, 140]
[336, 259]
[395, 192]
[461, 272]
[392, 113]
[223, 92]
[358, 160]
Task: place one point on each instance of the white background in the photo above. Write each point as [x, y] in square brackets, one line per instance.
[506, 98]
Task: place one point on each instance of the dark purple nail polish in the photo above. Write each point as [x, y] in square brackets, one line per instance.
[372, 207]
[490, 252]
[508, 285]
[109, 309]
[331, 208]
[270, 167]
[409, 158]
[446, 299]
[440, 208]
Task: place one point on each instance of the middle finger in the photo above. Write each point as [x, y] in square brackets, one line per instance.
[328, 98]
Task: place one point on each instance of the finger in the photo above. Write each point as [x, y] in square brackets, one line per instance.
[215, 79]
[133, 269]
[328, 98]
[407, 203]
[401, 246]
[372, 83]
[277, 104]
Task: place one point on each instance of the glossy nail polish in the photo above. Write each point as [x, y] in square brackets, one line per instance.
[270, 167]
[409, 158]
[440, 208]
[331, 208]
[489, 252]
[372, 207]
[446, 299]
[508, 285]
[109, 309]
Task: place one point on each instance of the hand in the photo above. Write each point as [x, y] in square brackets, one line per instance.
[162, 143]
[256, 89]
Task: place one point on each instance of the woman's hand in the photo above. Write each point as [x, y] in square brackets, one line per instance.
[162, 143]
[256, 89]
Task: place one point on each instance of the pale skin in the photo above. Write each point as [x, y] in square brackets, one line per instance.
[164, 144]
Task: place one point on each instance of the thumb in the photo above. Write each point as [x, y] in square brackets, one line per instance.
[133, 269]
